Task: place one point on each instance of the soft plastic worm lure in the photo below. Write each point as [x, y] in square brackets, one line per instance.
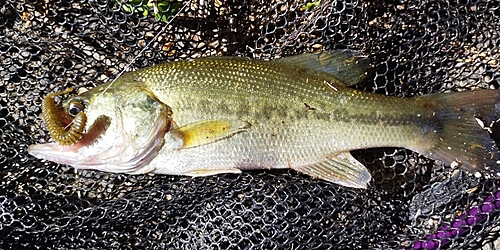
[55, 116]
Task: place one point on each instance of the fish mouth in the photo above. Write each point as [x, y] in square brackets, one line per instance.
[122, 155]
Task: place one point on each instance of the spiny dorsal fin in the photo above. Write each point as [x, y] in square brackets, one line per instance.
[347, 65]
[341, 168]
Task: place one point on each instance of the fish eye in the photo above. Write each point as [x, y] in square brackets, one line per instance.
[75, 108]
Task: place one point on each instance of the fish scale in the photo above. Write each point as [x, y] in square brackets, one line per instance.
[350, 106]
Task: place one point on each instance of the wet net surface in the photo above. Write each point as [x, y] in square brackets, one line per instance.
[417, 47]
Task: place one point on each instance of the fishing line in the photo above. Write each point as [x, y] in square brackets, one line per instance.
[126, 68]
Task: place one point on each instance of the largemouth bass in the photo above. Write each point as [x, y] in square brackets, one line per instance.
[226, 114]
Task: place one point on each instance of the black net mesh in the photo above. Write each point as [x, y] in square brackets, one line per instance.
[417, 47]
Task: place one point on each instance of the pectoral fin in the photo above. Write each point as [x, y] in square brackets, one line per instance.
[205, 132]
[342, 169]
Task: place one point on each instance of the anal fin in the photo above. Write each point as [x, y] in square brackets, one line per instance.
[341, 168]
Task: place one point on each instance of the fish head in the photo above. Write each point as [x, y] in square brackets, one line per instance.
[124, 130]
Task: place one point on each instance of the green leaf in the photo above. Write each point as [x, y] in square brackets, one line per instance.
[166, 9]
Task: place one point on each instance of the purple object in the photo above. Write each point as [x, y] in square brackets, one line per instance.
[460, 226]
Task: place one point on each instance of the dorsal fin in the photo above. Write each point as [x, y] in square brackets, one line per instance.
[347, 65]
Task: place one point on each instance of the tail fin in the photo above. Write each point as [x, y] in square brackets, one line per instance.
[462, 134]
